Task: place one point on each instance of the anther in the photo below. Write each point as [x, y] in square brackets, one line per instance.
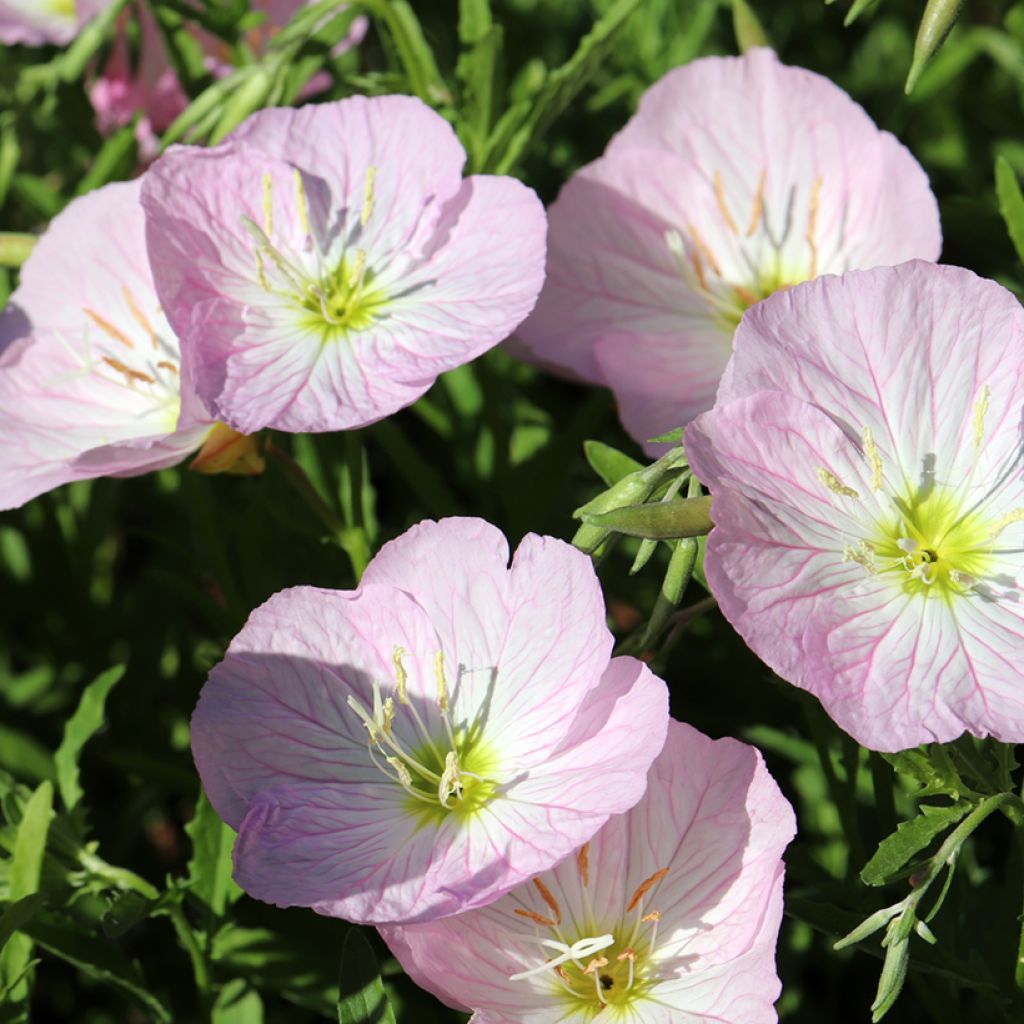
[720, 199]
[583, 862]
[980, 411]
[109, 329]
[547, 896]
[595, 965]
[812, 221]
[755, 215]
[140, 318]
[368, 195]
[645, 887]
[449, 783]
[268, 205]
[300, 202]
[834, 484]
[442, 682]
[532, 915]
[874, 459]
[165, 365]
[401, 676]
[128, 371]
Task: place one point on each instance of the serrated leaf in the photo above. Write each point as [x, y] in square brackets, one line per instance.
[362, 999]
[609, 463]
[1011, 203]
[932, 769]
[209, 868]
[80, 728]
[909, 839]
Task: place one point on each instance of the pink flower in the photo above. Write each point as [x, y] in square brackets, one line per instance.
[34, 22]
[670, 913]
[865, 461]
[324, 265]
[149, 86]
[737, 176]
[421, 745]
[89, 374]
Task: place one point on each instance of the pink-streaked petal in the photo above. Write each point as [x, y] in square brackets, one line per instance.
[906, 351]
[530, 640]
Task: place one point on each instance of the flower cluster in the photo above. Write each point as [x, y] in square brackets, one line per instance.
[736, 177]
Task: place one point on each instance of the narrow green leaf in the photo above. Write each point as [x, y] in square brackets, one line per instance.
[894, 973]
[513, 140]
[361, 999]
[209, 869]
[98, 960]
[15, 248]
[125, 912]
[609, 463]
[1011, 203]
[18, 914]
[78, 730]
[909, 839]
[114, 161]
[857, 8]
[663, 520]
[22, 754]
[25, 870]
[237, 1003]
[415, 53]
[477, 71]
[937, 20]
[673, 436]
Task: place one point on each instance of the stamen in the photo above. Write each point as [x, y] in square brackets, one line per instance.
[812, 220]
[745, 295]
[109, 329]
[583, 862]
[140, 317]
[720, 198]
[368, 195]
[401, 676]
[582, 948]
[645, 887]
[268, 205]
[165, 365]
[980, 411]
[705, 251]
[300, 203]
[549, 899]
[863, 554]
[536, 918]
[387, 715]
[874, 459]
[442, 683]
[652, 918]
[834, 484]
[630, 955]
[128, 371]
[755, 215]
[449, 783]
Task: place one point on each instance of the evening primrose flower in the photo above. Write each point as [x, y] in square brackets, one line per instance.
[865, 463]
[421, 745]
[90, 380]
[325, 264]
[34, 22]
[669, 914]
[736, 177]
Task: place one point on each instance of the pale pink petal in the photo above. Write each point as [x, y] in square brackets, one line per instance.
[89, 377]
[449, 267]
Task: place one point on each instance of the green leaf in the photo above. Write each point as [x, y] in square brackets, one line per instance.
[1011, 203]
[114, 161]
[362, 999]
[663, 520]
[26, 867]
[98, 960]
[932, 768]
[512, 140]
[125, 912]
[22, 754]
[609, 463]
[937, 20]
[413, 50]
[673, 436]
[909, 839]
[857, 8]
[237, 1003]
[209, 869]
[18, 914]
[80, 728]
[477, 71]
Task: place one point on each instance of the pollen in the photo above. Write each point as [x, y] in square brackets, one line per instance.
[834, 484]
[874, 459]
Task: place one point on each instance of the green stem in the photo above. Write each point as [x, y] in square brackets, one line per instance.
[298, 478]
[1018, 972]
[189, 942]
[358, 540]
[15, 248]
